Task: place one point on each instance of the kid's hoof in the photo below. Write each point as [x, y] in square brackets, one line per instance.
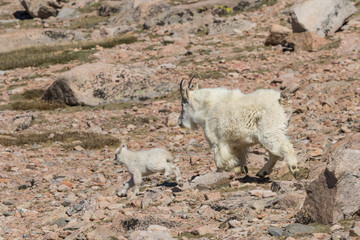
[120, 194]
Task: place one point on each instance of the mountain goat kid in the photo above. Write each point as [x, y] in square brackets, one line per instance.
[144, 163]
[233, 121]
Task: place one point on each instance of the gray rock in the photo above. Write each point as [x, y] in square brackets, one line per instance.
[100, 83]
[109, 8]
[68, 13]
[9, 202]
[41, 8]
[20, 39]
[275, 231]
[209, 180]
[297, 228]
[230, 27]
[277, 35]
[82, 207]
[7, 21]
[335, 194]
[61, 222]
[63, 35]
[145, 235]
[22, 122]
[321, 17]
[286, 201]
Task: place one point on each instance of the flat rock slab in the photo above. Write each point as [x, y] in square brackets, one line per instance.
[321, 17]
[100, 83]
[209, 180]
[275, 231]
[297, 228]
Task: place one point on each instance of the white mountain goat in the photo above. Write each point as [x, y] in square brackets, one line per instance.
[233, 121]
[144, 163]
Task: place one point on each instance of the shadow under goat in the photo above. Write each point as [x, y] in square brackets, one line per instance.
[144, 163]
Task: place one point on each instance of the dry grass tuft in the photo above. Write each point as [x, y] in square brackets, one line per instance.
[34, 105]
[3, 3]
[30, 100]
[57, 54]
[87, 140]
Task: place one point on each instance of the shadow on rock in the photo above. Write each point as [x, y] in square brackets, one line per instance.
[22, 15]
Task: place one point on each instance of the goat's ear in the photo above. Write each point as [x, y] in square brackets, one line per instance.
[187, 93]
[117, 150]
[196, 87]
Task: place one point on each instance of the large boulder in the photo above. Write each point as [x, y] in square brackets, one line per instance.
[335, 194]
[109, 8]
[321, 17]
[306, 41]
[99, 83]
[33, 37]
[277, 35]
[41, 8]
[349, 45]
[12, 124]
[190, 16]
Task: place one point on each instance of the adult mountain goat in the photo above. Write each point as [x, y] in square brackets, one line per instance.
[233, 121]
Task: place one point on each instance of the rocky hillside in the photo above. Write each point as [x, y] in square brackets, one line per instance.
[79, 77]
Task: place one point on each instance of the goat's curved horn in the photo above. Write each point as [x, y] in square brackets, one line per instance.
[181, 87]
[189, 84]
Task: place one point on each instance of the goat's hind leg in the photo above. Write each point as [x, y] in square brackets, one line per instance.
[241, 155]
[177, 173]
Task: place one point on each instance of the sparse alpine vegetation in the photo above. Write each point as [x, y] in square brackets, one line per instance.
[69, 140]
[58, 54]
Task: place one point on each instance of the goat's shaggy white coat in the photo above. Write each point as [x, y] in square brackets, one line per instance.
[144, 163]
[233, 121]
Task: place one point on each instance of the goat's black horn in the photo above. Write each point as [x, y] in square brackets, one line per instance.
[190, 81]
[181, 87]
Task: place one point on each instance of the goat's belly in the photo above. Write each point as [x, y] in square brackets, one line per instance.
[239, 136]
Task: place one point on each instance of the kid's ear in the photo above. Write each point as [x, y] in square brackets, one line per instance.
[117, 150]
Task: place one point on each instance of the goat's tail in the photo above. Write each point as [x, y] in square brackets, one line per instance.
[170, 158]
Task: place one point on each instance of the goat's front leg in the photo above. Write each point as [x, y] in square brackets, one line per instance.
[127, 185]
[137, 182]
[223, 157]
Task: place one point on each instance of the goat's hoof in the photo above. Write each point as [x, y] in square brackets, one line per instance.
[244, 169]
[262, 174]
[240, 170]
[296, 174]
[295, 171]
